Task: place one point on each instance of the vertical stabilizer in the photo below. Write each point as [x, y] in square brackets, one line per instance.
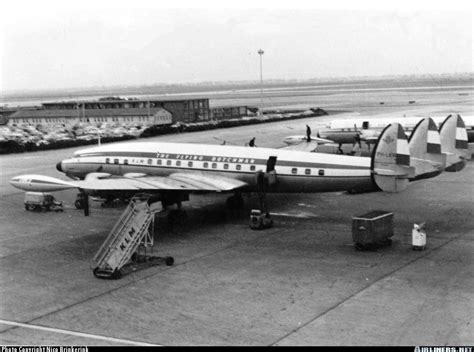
[425, 150]
[391, 168]
[454, 142]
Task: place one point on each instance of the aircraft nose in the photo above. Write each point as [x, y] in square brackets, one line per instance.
[59, 166]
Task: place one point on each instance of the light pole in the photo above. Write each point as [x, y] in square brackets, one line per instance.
[260, 52]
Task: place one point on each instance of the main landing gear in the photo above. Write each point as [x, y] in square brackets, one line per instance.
[176, 217]
[235, 202]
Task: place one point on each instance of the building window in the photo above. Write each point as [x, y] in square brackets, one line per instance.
[238, 167]
[214, 165]
[168, 162]
[226, 166]
[150, 161]
[158, 161]
[321, 172]
[116, 161]
[178, 162]
[307, 171]
[205, 165]
[125, 161]
[294, 171]
[190, 163]
[252, 167]
[107, 160]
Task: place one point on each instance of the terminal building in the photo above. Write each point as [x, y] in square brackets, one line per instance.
[123, 111]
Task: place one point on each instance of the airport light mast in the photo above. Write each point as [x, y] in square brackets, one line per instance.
[260, 52]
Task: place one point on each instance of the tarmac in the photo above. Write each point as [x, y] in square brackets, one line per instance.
[301, 282]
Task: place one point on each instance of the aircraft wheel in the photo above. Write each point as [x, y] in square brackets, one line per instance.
[117, 274]
[235, 202]
[177, 216]
[95, 271]
[169, 261]
[79, 204]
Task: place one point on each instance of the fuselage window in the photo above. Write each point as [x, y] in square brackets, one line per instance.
[168, 162]
[178, 162]
[150, 161]
[214, 165]
[205, 165]
[107, 160]
[226, 166]
[321, 172]
[190, 163]
[116, 161]
[294, 171]
[307, 171]
[252, 167]
[238, 167]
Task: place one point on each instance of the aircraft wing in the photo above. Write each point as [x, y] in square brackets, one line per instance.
[174, 182]
[191, 182]
[304, 146]
[294, 140]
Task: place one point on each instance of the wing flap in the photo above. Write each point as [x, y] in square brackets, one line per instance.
[208, 183]
[174, 182]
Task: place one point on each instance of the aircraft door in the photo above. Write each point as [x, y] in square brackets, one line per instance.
[271, 162]
[270, 175]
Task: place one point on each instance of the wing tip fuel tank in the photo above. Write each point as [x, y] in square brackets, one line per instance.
[40, 183]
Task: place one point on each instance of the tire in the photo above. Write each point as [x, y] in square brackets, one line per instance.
[95, 271]
[117, 274]
[79, 204]
[169, 261]
[235, 203]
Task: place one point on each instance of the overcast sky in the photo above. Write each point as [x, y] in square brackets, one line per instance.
[47, 44]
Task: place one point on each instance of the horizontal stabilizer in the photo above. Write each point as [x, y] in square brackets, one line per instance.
[454, 142]
[391, 169]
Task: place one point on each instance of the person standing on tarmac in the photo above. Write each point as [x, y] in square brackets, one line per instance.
[308, 133]
[252, 142]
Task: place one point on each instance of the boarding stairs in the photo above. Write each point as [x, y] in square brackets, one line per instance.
[130, 233]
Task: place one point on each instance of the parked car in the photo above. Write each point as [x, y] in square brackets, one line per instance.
[42, 201]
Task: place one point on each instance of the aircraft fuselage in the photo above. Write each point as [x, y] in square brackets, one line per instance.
[295, 171]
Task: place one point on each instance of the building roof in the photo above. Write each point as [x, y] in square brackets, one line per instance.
[3, 119]
[116, 101]
[68, 113]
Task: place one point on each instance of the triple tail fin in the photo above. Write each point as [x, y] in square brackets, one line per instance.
[391, 169]
[454, 142]
[425, 150]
